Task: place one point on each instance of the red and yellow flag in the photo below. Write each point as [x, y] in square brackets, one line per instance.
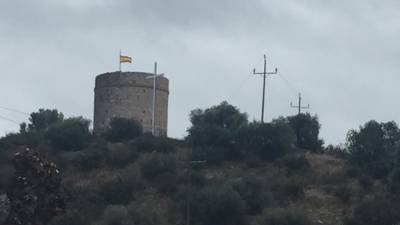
[125, 59]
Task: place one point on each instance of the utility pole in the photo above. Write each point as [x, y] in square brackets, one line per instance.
[299, 107]
[153, 116]
[265, 73]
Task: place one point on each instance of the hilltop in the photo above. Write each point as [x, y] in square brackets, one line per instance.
[227, 171]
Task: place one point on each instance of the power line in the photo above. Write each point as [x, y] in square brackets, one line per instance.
[238, 89]
[289, 84]
[14, 110]
[9, 120]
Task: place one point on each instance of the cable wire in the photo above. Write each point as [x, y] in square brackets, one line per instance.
[237, 90]
[14, 110]
[289, 84]
[9, 120]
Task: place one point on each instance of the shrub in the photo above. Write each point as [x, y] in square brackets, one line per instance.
[149, 143]
[71, 217]
[268, 141]
[394, 182]
[366, 182]
[115, 215]
[344, 193]
[117, 191]
[253, 192]
[148, 211]
[155, 165]
[296, 163]
[71, 135]
[283, 217]
[122, 129]
[6, 173]
[217, 205]
[91, 158]
[121, 155]
[288, 188]
[213, 155]
[375, 212]
[161, 170]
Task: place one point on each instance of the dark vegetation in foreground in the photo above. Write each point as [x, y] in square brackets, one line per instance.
[227, 171]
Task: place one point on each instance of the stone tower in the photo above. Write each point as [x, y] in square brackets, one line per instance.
[130, 95]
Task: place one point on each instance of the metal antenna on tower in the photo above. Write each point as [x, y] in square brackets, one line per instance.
[265, 73]
[299, 107]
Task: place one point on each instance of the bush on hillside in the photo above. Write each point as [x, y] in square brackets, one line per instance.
[377, 211]
[288, 188]
[253, 192]
[117, 191]
[91, 158]
[121, 155]
[216, 127]
[216, 205]
[148, 211]
[155, 164]
[70, 135]
[149, 143]
[122, 129]
[269, 141]
[281, 216]
[115, 215]
[306, 128]
[373, 147]
[296, 163]
[161, 171]
[344, 193]
[71, 217]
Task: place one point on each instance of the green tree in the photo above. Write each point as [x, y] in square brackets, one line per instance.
[41, 120]
[71, 134]
[306, 128]
[216, 127]
[373, 147]
[123, 129]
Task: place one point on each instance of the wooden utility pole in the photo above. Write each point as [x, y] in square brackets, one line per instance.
[299, 107]
[264, 73]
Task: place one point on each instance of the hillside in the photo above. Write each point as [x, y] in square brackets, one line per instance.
[227, 171]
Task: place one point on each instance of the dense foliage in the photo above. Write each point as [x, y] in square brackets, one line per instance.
[122, 129]
[227, 170]
[306, 128]
[373, 147]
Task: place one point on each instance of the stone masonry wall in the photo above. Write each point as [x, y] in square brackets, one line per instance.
[130, 95]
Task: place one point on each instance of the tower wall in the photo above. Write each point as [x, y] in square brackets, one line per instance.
[130, 95]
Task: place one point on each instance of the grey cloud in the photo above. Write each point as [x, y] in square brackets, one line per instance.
[342, 55]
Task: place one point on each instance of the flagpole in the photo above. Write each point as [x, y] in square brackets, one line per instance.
[119, 60]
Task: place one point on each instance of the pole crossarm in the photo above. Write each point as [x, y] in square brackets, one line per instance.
[264, 73]
[299, 107]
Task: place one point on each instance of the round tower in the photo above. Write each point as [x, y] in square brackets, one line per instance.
[130, 95]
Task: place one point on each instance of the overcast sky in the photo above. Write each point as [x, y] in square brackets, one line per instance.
[343, 56]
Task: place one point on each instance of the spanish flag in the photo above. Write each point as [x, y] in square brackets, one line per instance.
[125, 59]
